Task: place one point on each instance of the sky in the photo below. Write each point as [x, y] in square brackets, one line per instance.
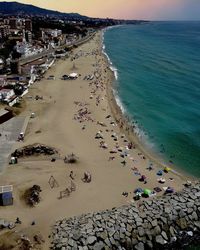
[125, 9]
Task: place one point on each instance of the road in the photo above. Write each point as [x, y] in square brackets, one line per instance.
[50, 51]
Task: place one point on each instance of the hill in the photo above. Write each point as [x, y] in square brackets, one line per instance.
[15, 8]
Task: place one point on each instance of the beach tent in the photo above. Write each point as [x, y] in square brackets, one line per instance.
[73, 75]
[146, 192]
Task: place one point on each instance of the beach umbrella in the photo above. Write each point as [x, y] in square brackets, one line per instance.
[161, 180]
[146, 191]
[157, 189]
[167, 169]
[120, 149]
[160, 172]
[138, 190]
[169, 190]
[142, 178]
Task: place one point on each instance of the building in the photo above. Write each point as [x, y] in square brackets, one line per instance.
[1, 63]
[4, 31]
[28, 25]
[28, 36]
[14, 66]
[3, 79]
[50, 33]
[6, 197]
[13, 23]
[6, 94]
[5, 115]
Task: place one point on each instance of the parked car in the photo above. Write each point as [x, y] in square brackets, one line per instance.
[51, 77]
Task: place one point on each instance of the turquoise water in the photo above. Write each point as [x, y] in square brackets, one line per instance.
[158, 69]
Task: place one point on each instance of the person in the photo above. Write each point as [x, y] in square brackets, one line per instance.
[18, 221]
[123, 162]
[71, 175]
[87, 177]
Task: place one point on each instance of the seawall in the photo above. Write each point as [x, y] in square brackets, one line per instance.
[167, 222]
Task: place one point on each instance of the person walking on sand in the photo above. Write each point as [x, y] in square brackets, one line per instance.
[71, 175]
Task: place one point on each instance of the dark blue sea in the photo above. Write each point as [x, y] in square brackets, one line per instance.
[157, 68]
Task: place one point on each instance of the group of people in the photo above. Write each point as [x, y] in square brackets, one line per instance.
[121, 148]
[87, 177]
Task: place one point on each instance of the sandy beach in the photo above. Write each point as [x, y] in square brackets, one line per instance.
[68, 118]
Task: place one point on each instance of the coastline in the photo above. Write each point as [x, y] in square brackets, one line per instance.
[118, 112]
[57, 123]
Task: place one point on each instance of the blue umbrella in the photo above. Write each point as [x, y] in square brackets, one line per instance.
[160, 172]
[138, 190]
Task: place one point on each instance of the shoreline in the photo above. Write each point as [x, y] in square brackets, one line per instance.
[127, 129]
[58, 124]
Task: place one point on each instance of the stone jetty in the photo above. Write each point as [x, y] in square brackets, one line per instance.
[35, 149]
[166, 222]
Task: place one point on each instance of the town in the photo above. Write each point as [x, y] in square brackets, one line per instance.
[29, 45]
[27, 51]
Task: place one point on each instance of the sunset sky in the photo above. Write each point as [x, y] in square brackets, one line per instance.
[128, 9]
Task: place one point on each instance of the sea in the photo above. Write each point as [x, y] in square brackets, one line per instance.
[157, 85]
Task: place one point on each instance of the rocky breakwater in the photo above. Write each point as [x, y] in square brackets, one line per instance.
[35, 149]
[167, 222]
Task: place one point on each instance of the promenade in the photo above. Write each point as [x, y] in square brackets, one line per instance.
[9, 133]
[45, 53]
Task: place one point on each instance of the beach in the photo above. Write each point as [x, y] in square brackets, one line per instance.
[68, 117]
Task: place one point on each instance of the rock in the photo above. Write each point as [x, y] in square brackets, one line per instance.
[107, 242]
[190, 233]
[112, 241]
[197, 194]
[190, 204]
[149, 244]
[172, 231]
[157, 230]
[164, 235]
[167, 210]
[160, 240]
[98, 246]
[182, 213]
[194, 216]
[197, 224]
[116, 236]
[189, 210]
[163, 219]
[139, 246]
[154, 223]
[103, 235]
[141, 231]
[91, 240]
[182, 223]
[129, 228]
[157, 222]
